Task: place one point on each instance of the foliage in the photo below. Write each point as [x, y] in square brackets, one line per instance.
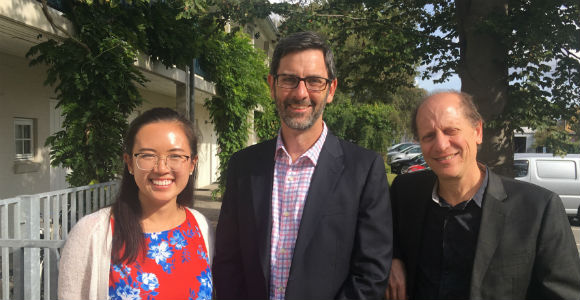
[536, 79]
[404, 102]
[96, 89]
[96, 79]
[367, 125]
[240, 76]
[556, 139]
[266, 122]
[539, 38]
[373, 42]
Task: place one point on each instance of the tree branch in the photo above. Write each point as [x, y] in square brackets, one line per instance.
[568, 52]
[60, 28]
[339, 16]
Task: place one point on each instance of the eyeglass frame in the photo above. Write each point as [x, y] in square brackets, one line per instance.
[327, 80]
[158, 158]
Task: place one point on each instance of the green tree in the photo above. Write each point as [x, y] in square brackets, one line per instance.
[373, 43]
[367, 125]
[240, 75]
[556, 139]
[96, 79]
[517, 58]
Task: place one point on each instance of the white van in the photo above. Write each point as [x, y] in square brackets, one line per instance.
[556, 173]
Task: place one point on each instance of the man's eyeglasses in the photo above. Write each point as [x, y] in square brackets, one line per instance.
[313, 83]
[148, 161]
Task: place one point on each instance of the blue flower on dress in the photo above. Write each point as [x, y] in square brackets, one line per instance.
[193, 232]
[202, 254]
[148, 281]
[206, 285]
[123, 270]
[117, 269]
[156, 236]
[124, 291]
[160, 252]
[178, 241]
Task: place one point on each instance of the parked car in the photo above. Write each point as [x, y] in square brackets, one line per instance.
[398, 166]
[398, 150]
[416, 168]
[405, 154]
[400, 146]
[556, 173]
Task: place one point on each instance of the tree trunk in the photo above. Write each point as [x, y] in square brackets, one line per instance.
[484, 75]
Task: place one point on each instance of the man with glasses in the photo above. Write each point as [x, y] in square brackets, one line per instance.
[306, 215]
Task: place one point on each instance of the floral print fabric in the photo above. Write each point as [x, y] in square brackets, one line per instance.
[175, 266]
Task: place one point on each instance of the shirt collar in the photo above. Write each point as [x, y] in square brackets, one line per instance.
[477, 198]
[313, 153]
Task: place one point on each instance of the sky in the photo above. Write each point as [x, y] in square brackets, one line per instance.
[454, 83]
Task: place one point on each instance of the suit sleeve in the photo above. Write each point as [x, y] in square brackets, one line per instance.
[227, 264]
[372, 251]
[557, 266]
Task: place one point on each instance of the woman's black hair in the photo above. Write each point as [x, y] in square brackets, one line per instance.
[126, 210]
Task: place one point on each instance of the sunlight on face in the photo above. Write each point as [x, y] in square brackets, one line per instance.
[171, 136]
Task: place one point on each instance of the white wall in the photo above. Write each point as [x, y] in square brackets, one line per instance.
[23, 95]
[208, 162]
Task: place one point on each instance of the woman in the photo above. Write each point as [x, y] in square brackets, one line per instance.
[150, 244]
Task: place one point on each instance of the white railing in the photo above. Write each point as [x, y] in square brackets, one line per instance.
[32, 230]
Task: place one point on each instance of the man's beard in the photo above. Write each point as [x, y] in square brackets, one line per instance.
[295, 120]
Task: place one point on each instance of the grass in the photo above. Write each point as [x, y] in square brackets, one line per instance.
[391, 177]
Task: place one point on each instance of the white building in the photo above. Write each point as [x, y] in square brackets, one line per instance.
[28, 114]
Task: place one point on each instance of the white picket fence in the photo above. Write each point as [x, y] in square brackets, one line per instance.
[33, 228]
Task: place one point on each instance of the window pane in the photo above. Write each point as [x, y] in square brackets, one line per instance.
[564, 169]
[19, 147]
[18, 131]
[27, 147]
[520, 168]
[26, 131]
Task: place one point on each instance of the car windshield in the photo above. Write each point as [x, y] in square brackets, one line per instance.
[412, 149]
[401, 147]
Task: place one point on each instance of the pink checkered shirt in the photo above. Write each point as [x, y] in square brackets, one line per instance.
[291, 183]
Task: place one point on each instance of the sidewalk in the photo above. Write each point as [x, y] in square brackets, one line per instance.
[205, 205]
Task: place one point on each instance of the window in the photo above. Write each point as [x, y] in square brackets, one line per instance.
[556, 169]
[520, 144]
[24, 138]
[521, 168]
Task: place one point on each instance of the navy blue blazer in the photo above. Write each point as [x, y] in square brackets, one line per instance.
[344, 243]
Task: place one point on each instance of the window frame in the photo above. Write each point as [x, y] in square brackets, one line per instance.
[30, 124]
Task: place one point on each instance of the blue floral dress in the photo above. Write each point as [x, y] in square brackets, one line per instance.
[175, 266]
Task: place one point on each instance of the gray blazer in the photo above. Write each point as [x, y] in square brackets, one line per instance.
[525, 248]
[344, 244]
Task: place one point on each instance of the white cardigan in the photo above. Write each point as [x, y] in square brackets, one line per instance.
[86, 257]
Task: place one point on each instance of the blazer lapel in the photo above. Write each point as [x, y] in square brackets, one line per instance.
[328, 169]
[261, 187]
[493, 219]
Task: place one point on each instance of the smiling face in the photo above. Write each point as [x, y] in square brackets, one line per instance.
[161, 185]
[448, 139]
[299, 108]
